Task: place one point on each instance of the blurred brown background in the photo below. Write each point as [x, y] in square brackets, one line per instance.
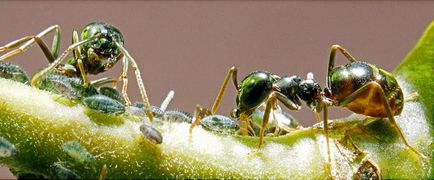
[189, 46]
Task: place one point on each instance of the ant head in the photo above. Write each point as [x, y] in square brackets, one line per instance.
[310, 89]
[102, 52]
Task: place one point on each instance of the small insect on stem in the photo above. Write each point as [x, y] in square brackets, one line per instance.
[60, 172]
[151, 134]
[258, 89]
[76, 151]
[104, 104]
[7, 149]
[368, 170]
[13, 72]
[362, 88]
[98, 49]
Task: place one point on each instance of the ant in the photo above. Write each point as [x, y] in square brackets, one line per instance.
[261, 87]
[100, 48]
[362, 88]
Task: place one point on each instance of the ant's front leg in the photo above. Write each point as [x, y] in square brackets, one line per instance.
[39, 75]
[271, 102]
[30, 40]
[77, 56]
[142, 89]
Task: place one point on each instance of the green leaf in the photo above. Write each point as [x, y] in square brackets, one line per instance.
[418, 69]
[44, 134]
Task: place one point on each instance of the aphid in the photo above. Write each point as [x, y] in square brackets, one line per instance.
[151, 134]
[158, 112]
[100, 48]
[177, 116]
[362, 88]
[220, 124]
[79, 153]
[213, 122]
[112, 93]
[71, 87]
[13, 72]
[368, 170]
[104, 104]
[259, 88]
[60, 172]
[7, 149]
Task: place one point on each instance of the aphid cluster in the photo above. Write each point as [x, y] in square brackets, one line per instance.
[361, 87]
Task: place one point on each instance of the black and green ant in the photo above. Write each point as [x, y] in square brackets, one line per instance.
[100, 48]
[361, 87]
[261, 87]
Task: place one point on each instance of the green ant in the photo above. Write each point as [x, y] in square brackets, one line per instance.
[100, 48]
[255, 89]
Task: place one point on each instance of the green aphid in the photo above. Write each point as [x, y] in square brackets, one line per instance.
[177, 116]
[7, 149]
[156, 111]
[59, 172]
[13, 72]
[79, 153]
[71, 87]
[220, 124]
[112, 93]
[104, 104]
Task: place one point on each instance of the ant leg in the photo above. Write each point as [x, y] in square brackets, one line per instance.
[287, 102]
[388, 110]
[30, 40]
[270, 103]
[231, 73]
[103, 81]
[393, 122]
[199, 113]
[317, 116]
[139, 81]
[125, 80]
[77, 55]
[327, 135]
[39, 75]
[245, 127]
[332, 56]
[167, 100]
